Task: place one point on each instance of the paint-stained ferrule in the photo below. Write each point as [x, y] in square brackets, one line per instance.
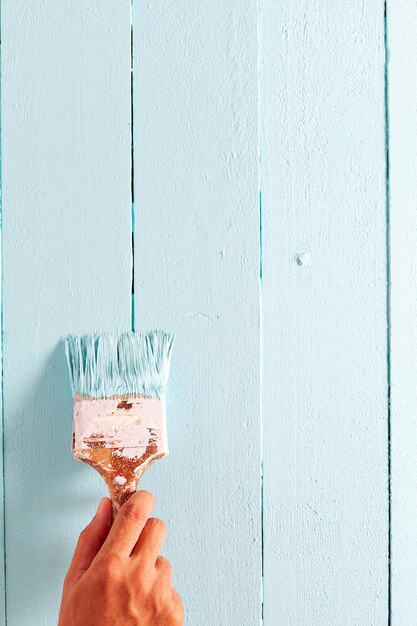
[119, 422]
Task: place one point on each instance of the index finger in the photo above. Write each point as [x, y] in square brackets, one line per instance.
[129, 523]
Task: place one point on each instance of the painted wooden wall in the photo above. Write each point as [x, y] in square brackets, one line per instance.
[324, 303]
[66, 238]
[261, 155]
[402, 108]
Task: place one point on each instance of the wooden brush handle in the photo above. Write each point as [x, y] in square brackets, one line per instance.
[121, 468]
[120, 437]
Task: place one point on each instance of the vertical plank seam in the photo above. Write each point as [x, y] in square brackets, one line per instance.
[259, 149]
[388, 304]
[3, 526]
[132, 174]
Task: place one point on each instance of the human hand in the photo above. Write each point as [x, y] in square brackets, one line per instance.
[117, 577]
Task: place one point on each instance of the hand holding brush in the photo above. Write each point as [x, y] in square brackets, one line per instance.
[117, 575]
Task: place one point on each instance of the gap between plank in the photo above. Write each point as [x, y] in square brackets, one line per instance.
[259, 147]
[3, 529]
[132, 177]
[388, 303]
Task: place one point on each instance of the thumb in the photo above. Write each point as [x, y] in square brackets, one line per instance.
[90, 541]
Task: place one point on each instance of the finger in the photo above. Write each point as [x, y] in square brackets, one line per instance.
[129, 523]
[164, 568]
[151, 540]
[178, 607]
[90, 541]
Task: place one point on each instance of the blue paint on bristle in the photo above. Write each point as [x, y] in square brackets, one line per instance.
[102, 365]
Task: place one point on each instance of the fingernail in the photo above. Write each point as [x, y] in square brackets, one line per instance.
[100, 510]
[100, 506]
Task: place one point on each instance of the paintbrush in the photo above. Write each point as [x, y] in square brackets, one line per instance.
[119, 385]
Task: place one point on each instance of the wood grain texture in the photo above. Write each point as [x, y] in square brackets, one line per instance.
[197, 273]
[324, 329]
[402, 106]
[66, 221]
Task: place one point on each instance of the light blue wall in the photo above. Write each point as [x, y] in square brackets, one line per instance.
[66, 238]
[197, 272]
[325, 320]
[261, 238]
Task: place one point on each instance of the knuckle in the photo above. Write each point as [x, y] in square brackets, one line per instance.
[178, 610]
[67, 580]
[102, 581]
[164, 564]
[176, 598]
[132, 513]
[84, 538]
[143, 583]
[157, 525]
[112, 567]
[146, 497]
[137, 508]
[84, 534]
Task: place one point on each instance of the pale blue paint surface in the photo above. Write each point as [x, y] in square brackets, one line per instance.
[197, 273]
[303, 353]
[66, 238]
[402, 100]
[325, 318]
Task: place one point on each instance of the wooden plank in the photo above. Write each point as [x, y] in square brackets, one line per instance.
[324, 326]
[402, 107]
[66, 220]
[2, 536]
[197, 273]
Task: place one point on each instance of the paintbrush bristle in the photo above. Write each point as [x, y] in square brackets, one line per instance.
[103, 365]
